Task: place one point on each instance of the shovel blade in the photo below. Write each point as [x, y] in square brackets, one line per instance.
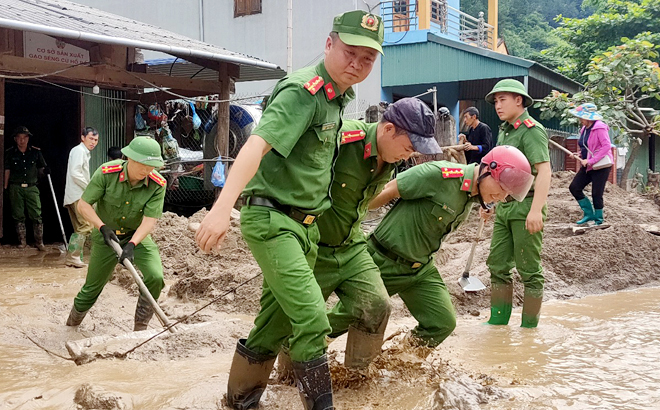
[471, 284]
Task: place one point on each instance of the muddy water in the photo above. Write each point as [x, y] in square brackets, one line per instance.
[600, 352]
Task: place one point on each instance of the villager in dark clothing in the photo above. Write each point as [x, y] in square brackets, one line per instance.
[479, 138]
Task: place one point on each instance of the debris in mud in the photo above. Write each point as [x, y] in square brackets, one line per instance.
[197, 275]
[89, 397]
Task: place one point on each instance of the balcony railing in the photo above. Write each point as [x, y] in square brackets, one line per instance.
[438, 17]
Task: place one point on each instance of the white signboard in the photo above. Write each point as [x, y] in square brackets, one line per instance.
[46, 48]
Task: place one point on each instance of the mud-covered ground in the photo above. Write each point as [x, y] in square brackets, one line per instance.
[623, 256]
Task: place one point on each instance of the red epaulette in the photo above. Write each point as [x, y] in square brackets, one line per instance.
[529, 123]
[157, 178]
[352, 136]
[452, 172]
[517, 124]
[109, 169]
[314, 85]
[467, 185]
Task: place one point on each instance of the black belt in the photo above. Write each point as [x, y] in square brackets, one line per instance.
[293, 213]
[393, 256]
[509, 198]
[22, 185]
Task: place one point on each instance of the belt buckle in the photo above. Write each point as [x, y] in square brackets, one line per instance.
[416, 265]
[309, 219]
[24, 185]
[118, 232]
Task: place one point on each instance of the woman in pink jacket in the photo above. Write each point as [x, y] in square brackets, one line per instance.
[594, 145]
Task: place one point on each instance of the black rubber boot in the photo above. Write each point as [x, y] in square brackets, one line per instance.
[143, 314]
[75, 317]
[38, 230]
[314, 383]
[21, 232]
[362, 347]
[248, 377]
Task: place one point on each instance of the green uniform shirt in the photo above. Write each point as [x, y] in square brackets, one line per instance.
[435, 199]
[357, 181]
[529, 137]
[120, 205]
[301, 123]
[23, 166]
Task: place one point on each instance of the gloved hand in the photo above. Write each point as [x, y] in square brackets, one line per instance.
[108, 235]
[127, 253]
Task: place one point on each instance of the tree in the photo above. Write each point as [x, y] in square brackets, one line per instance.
[584, 38]
[624, 82]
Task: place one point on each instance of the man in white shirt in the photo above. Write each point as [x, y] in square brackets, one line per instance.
[77, 178]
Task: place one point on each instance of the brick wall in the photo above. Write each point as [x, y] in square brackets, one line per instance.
[573, 165]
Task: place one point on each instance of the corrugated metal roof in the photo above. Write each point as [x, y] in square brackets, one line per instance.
[441, 60]
[182, 68]
[78, 21]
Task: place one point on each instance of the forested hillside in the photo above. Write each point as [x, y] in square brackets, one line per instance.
[526, 25]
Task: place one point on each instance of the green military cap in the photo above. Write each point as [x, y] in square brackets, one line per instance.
[145, 151]
[359, 28]
[510, 85]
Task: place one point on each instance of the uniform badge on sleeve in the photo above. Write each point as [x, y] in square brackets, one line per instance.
[314, 85]
[452, 172]
[352, 136]
[109, 169]
[157, 178]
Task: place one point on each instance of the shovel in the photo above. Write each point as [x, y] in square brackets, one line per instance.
[467, 283]
[143, 289]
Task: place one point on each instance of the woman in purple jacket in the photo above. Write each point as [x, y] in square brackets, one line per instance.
[594, 145]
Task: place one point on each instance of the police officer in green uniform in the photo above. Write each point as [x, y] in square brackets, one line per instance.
[288, 164]
[518, 231]
[436, 197]
[367, 157]
[23, 166]
[129, 197]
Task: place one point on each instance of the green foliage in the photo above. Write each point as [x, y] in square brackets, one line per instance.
[586, 37]
[621, 81]
[527, 25]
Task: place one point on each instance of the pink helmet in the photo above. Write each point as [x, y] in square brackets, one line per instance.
[511, 169]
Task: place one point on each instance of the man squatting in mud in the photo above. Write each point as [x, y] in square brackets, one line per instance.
[284, 171]
[435, 197]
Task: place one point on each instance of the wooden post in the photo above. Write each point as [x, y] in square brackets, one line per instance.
[493, 20]
[424, 14]
[130, 115]
[221, 140]
[2, 146]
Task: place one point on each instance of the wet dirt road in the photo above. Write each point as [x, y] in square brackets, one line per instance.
[600, 352]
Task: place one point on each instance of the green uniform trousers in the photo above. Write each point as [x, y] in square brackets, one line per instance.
[21, 198]
[292, 305]
[513, 245]
[424, 293]
[351, 273]
[103, 260]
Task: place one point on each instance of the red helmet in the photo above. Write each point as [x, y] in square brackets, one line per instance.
[511, 169]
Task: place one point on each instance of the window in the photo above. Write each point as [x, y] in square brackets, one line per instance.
[246, 7]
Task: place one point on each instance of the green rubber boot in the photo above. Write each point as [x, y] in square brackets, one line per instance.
[532, 307]
[501, 301]
[588, 210]
[598, 216]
